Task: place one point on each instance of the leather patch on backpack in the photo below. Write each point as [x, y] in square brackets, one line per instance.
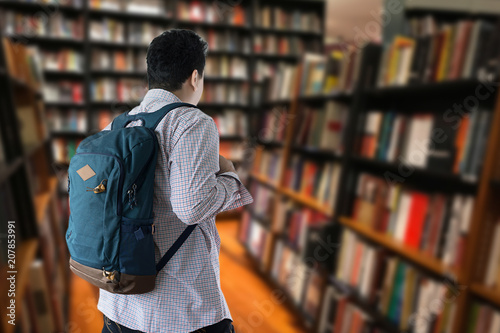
[86, 172]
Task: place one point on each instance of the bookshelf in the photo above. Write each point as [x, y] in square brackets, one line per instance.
[27, 188]
[471, 251]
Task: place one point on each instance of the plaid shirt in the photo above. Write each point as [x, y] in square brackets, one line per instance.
[188, 294]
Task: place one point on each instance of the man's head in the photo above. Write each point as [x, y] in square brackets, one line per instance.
[176, 60]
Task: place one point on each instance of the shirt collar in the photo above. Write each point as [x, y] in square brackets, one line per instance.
[158, 95]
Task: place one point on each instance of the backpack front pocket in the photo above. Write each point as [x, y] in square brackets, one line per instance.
[137, 249]
[93, 230]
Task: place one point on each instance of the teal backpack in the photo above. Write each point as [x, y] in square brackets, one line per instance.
[110, 185]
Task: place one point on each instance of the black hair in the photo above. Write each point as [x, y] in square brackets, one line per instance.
[173, 56]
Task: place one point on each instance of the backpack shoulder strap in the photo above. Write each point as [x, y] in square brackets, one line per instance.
[149, 119]
[177, 244]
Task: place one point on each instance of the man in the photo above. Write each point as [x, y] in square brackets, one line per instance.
[192, 185]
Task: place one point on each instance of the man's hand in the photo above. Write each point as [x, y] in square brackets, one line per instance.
[225, 165]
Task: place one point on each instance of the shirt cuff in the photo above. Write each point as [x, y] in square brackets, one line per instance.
[240, 197]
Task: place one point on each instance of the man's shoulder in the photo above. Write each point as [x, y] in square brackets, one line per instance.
[188, 116]
[181, 119]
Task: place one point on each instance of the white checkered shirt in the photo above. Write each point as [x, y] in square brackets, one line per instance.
[188, 294]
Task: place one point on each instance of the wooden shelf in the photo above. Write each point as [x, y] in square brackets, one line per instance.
[277, 57]
[422, 177]
[36, 6]
[49, 41]
[459, 11]
[279, 102]
[270, 144]
[307, 201]
[291, 32]
[231, 138]
[120, 14]
[229, 215]
[109, 104]
[112, 44]
[42, 200]
[221, 105]
[225, 79]
[63, 74]
[21, 84]
[316, 152]
[69, 133]
[64, 104]
[119, 73]
[487, 293]
[219, 26]
[338, 96]
[415, 97]
[30, 150]
[25, 254]
[414, 255]
[235, 53]
[264, 180]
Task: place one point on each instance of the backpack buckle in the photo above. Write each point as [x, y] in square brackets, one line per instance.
[99, 188]
[109, 275]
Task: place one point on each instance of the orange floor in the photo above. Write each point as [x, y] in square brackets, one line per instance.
[254, 305]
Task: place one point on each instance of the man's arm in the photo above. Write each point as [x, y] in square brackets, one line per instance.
[200, 189]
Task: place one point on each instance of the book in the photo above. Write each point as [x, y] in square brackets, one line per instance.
[284, 19]
[63, 92]
[233, 94]
[59, 26]
[493, 267]
[72, 120]
[117, 91]
[416, 150]
[62, 60]
[312, 74]
[333, 67]
[323, 129]
[331, 300]
[416, 219]
[270, 164]
[107, 30]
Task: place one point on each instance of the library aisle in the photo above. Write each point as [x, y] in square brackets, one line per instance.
[367, 132]
[250, 298]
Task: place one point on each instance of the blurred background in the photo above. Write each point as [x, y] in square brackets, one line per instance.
[368, 132]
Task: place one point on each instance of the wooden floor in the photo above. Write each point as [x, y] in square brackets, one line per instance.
[254, 305]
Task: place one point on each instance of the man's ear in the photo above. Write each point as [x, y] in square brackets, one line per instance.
[194, 80]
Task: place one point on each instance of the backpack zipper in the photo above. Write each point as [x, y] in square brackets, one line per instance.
[136, 185]
[119, 204]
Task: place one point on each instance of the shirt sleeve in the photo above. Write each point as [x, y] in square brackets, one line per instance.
[197, 194]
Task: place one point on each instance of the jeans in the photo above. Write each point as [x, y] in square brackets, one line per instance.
[224, 326]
